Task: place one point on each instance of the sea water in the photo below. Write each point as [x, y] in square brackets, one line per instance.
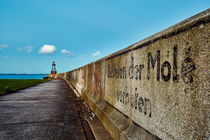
[22, 76]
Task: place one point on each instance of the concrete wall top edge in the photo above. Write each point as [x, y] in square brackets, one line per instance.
[196, 20]
[185, 25]
[159, 83]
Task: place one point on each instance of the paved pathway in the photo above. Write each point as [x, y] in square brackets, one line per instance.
[42, 112]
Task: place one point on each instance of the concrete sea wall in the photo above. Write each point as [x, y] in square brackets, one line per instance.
[157, 88]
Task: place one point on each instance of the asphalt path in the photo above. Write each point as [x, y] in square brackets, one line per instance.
[44, 112]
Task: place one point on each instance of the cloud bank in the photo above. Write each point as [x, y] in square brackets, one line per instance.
[66, 52]
[3, 47]
[95, 54]
[47, 49]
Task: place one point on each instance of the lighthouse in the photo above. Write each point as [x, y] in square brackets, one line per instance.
[53, 71]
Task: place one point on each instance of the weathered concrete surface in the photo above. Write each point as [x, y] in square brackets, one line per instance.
[47, 111]
[156, 88]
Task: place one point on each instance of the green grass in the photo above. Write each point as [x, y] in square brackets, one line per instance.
[12, 85]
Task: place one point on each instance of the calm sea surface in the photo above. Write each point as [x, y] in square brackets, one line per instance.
[22, 76]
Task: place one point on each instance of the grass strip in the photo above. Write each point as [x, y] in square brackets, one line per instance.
[12, 85]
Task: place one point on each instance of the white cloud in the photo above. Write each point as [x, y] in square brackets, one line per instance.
[47, 49]
[97, 53]
[66, 52]
[27, 49]
[3, 47]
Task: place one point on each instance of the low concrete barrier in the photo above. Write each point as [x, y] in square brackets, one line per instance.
[157, 88]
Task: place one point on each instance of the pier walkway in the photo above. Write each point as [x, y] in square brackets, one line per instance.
[48, 111]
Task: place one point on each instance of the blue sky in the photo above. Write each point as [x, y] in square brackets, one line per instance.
[33, 33]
